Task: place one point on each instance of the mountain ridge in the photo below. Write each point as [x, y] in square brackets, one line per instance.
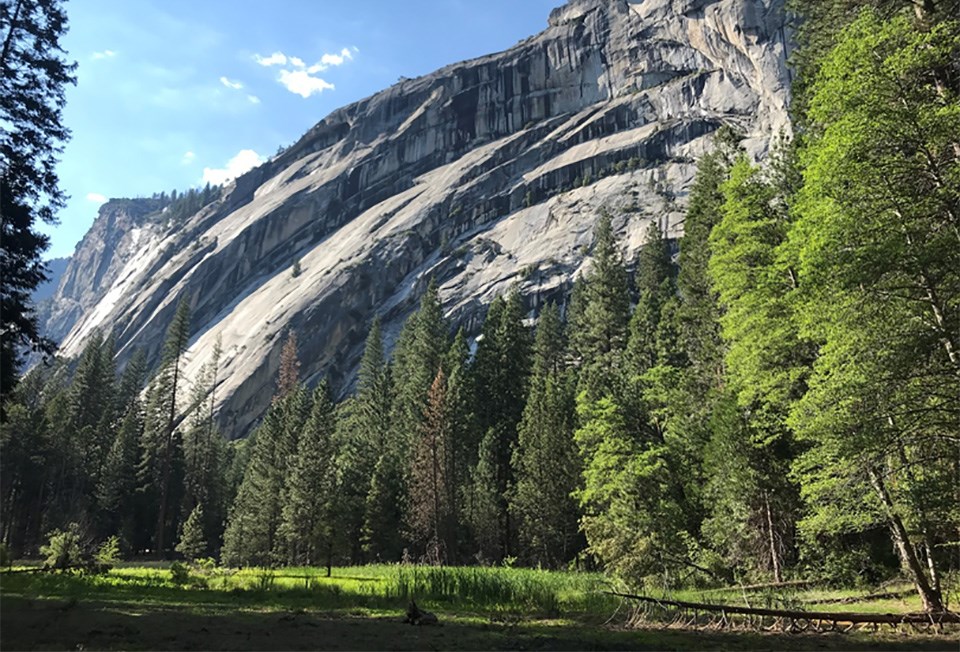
[486, 174]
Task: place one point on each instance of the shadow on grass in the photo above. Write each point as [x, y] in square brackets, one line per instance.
[68, 624]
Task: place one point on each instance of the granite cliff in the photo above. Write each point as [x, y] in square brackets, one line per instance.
[486, 174]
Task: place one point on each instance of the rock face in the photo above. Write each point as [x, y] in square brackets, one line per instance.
[486, 174]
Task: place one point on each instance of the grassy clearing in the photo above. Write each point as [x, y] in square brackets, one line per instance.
[361, 608]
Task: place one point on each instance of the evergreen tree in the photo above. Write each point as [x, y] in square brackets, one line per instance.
[115, 496]
[464, 444]
[545, 463]
[432, 493]
[33, 77]
[385, 508]
[600, 314]
[767, 362]
[881, 179]
[500, 377]
[418, 354]
[364, 430]
[193, 542]
[307, 527]
[162, 425]
[482, 502]
[289, 374]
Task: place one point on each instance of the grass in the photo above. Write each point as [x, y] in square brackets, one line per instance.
[139, 607]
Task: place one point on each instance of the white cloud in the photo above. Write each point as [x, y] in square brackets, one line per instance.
[253, 99]
[329, 59]
[300, 79]
[246, 159]
[188, 158]
[275, 59]
[303, 83]
[105, 54]
[235, 85]
[96, 197]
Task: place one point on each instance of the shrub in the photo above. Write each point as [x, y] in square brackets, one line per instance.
[63, 550]
[297, 269]
[179, 573]
[109, 554]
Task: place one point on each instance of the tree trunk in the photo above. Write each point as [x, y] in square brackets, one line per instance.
[167, 460]
[930, 598]
[774, 557]
[9, 39]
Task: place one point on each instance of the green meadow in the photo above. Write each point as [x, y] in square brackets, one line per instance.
[146, 607]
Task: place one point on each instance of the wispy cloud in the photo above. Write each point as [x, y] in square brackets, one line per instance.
[104, 54]
[96, 197]
[328, 60]
[229, 83]
[275, 59]
[245, 159]
[253, 99]
[299, 78]
[188, 158]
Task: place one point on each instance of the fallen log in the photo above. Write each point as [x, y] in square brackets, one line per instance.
[889, 595]
[760, 587]
[917, 618]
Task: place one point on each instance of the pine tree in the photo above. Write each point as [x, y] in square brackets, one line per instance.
[307, 527]
[766, 362]
[432, 493]
[33, 76]
[364, 431]
[418, 354]
[115, 495]
[385, 509]
[173, 350]
[880, 175]
[251, 535]
[546, 464]
[600, 314]
[159, 452]
[193, 542]
[482, 503]
[464, 444]
[289, 374]
[500, 377]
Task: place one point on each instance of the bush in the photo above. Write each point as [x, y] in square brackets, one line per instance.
[297, 269]
[179, 573]
[109, 553]
[64, 550]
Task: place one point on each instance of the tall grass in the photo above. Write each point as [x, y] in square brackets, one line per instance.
[478, 590]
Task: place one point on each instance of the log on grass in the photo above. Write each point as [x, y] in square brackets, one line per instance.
[943, 617]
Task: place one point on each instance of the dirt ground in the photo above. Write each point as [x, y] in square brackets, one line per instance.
[65, 625]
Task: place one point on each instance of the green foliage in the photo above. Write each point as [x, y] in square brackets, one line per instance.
[296, 269]
[306, 529]
[64, 549]
[108, 554]
[179, 573]
[192, 542]
[882, 171]
[545, 461]
[34, 73]
[499, 375]
[600, 312]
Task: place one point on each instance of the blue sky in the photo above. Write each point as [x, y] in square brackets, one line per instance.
[173, 93]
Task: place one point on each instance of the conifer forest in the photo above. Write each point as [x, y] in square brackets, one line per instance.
[772, 399]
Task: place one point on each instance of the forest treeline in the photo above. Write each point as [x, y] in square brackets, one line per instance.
[780, 399]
